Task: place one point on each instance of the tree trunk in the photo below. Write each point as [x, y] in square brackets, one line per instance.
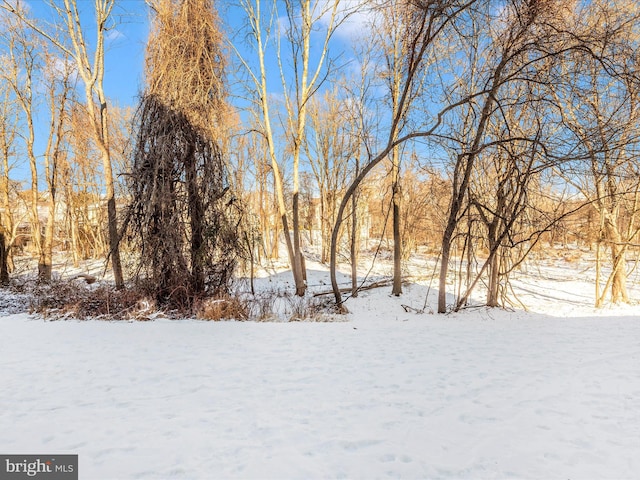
[6, 242]
[4, 268]
[444, 264]
[619, 284]
[599, 295]
[325, 228]
[493, 289]
[618, 261]
[7, 217]
[397, 237]
[36, 233]
[112, 216]
[45, 262]
[298, 263]
[75, 244]
[354, 245]
[397, 245]
[275, 237]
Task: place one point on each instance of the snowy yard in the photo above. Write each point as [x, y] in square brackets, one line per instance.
[483, 394]
[427, 397]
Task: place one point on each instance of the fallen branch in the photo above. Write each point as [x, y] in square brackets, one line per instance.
[371, 286]
[84, 276]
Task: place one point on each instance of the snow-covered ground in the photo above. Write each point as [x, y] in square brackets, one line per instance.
[553, 393]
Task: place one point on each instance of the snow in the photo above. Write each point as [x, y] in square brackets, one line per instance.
[491, 394]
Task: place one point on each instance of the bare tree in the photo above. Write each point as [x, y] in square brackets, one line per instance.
[81, 189]
[262, 200]
[303, 18]
[391, 39]
[363, 128]
[23, 63]
[58, 75]
[600, 105]
[8, 136]
[423, 22]
[523, 39]
[329, 149]
[91, 69]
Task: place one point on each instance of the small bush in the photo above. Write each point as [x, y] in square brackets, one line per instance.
[222, 308]
[145, 309]
[262, 308]
[311, 309]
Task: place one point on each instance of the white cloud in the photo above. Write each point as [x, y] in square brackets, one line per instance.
[60, 67]
[282, 25]
[276, 98]
[354, 18]
[113, 35]
[22, 5]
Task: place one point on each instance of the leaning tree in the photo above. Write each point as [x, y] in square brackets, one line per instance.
[182, 217]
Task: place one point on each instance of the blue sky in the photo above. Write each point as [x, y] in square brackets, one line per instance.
[125, 54]
[126, 42]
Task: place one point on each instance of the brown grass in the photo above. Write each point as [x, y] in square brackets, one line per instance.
[62, 300]
[221, 308]
[69, 299]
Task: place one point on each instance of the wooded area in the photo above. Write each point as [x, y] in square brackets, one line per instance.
[481, 131]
